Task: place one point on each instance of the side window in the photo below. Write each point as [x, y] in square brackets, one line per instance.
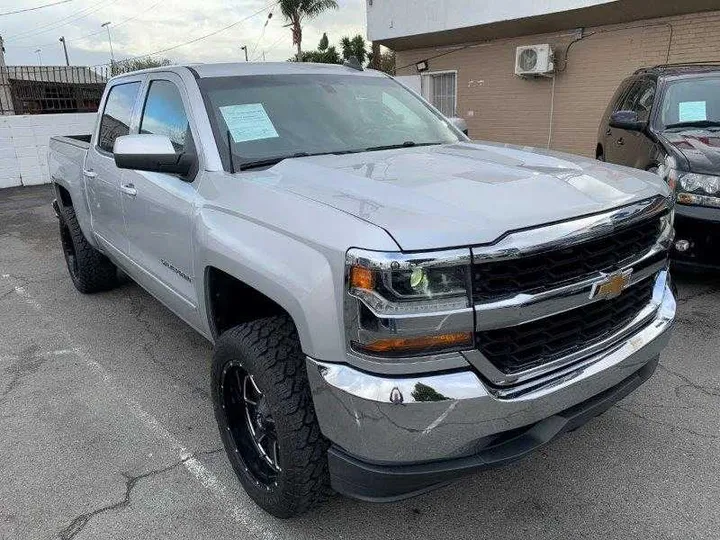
[117, 114]
[640, 99]
[619, 97]
[164, 114]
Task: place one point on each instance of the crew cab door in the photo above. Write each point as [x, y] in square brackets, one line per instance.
[102, 178]
[159, 206]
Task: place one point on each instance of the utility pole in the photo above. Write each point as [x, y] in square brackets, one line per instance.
[39, 53]
[67, 59]
[244, 48]
[107, 27]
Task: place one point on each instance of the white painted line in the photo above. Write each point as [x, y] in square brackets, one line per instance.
[199, 472]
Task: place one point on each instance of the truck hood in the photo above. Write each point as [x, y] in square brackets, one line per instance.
[701, 148]
[463, 194]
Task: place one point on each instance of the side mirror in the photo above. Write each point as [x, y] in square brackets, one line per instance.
[628, 120]
[459, 123]
[154, 153]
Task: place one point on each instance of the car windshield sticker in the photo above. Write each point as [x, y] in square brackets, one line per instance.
[692, 111]
[248, 122]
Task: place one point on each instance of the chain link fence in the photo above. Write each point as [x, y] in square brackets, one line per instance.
[51, 89]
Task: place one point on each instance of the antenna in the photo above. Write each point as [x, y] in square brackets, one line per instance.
[353, 63]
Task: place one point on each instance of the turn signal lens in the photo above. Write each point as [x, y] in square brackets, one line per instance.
[403, 346]
[362, 278]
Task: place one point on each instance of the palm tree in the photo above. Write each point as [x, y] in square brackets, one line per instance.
[295, 11]
[354, 46]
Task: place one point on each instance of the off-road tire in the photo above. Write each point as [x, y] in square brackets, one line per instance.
[91, 271]
[269, 350]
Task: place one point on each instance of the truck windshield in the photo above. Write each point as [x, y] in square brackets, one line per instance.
[693, 102]
[263, 119]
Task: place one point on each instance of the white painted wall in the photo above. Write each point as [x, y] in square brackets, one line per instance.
[388, 19]
[24, 143]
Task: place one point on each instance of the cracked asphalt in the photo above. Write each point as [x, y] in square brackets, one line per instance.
[107, 430]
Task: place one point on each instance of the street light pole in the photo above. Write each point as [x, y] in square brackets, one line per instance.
[244, 48]
[39, 53]
[107, 27]
[67, 59]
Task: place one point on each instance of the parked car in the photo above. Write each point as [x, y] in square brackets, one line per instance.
[666, 119]
[392, 305]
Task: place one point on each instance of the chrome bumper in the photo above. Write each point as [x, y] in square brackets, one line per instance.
[421, 418]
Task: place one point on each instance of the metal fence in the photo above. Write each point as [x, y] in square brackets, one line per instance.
[51, 89]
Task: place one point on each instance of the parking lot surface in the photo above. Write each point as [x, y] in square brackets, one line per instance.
[107, 430]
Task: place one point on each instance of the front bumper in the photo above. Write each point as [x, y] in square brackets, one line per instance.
[700, 226]
[394, 437]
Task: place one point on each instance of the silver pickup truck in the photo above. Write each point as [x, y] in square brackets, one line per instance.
[392, 305]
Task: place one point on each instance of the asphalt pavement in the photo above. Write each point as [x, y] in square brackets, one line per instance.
[107, 430]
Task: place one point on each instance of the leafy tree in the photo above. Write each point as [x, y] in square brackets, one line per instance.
[134, 64]
[324, 54]
[354, 46]
[295, 11]
[324, 42]
[386, 63]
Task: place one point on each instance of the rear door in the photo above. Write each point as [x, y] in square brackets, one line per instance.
[159, 206]
[102, 178]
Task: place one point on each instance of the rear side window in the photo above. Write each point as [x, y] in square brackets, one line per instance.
[117, 114]
[164, 114]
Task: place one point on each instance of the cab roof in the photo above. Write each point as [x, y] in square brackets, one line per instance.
[690, 68]
[260, 68]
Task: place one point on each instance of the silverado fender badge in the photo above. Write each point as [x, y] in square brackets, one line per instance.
[611, 285]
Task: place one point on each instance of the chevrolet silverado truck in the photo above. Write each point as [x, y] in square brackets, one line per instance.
[392, 305]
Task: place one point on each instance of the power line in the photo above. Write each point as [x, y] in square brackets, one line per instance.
[262, 34]
[78, 38]
[167, 49]
[270, 48]
[61, 22]
[34, 8]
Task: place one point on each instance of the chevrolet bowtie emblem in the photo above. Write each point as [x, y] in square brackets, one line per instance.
[611, 285]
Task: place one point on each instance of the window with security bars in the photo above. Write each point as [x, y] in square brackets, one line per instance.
[439, 89]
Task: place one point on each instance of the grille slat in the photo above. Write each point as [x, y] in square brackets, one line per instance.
[497, 280]
[528, 345]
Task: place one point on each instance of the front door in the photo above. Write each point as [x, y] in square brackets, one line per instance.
[159, 207]
[102, 178]
[632, 147]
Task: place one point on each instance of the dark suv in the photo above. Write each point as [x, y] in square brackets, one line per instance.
[667, 119]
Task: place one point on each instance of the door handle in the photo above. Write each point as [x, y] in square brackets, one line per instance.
[89, 174]
[608, 132]
[128, 189]
[620, 141]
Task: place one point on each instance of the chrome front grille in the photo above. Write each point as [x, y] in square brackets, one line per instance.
[533, 291]
[528, 345]
[554, 268]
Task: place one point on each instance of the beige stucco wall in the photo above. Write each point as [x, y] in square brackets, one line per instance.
[502, 107]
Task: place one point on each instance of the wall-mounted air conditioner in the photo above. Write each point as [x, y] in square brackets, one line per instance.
[534, 60]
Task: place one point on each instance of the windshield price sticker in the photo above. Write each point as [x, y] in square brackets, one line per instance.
[248, 122]
[692, 111]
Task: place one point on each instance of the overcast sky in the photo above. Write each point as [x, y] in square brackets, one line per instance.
[157, 25]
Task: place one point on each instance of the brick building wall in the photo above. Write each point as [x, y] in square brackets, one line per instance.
[502, 107]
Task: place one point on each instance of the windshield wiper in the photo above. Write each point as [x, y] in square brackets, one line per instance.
[267, 162]
[694, 123]
[406, 144]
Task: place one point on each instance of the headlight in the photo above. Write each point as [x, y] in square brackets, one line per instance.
[700, 182]
[699, 189]
[408, 305]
